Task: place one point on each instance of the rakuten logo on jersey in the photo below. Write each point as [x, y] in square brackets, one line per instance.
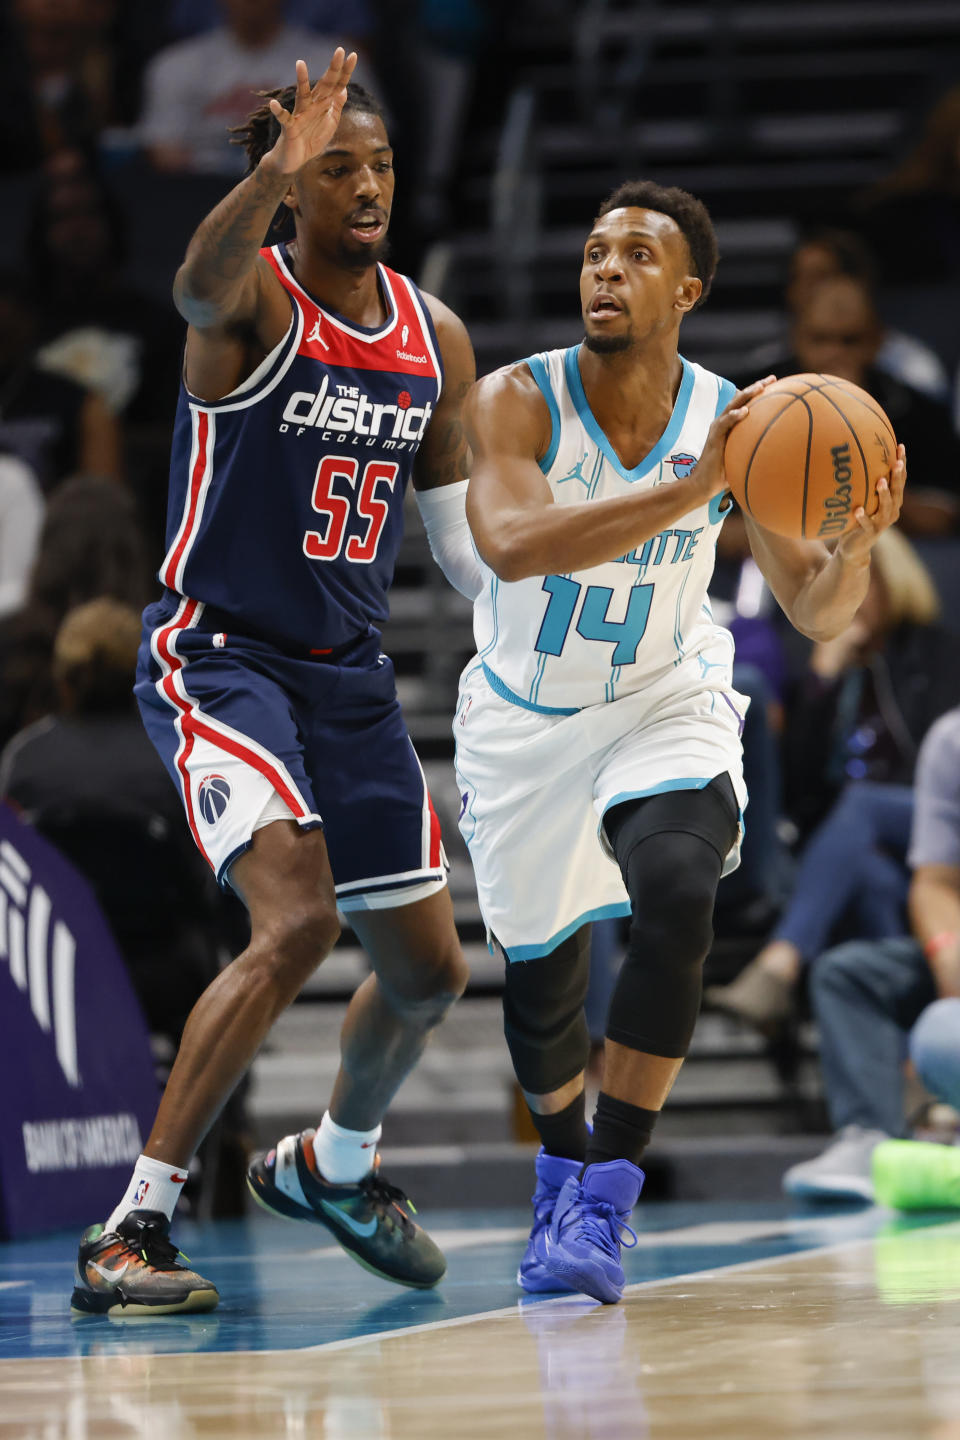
[345, 415]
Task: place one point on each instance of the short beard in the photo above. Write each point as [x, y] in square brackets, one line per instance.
[363, 259]
[608, 344]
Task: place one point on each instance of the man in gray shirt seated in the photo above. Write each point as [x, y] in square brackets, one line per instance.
[878, 1002]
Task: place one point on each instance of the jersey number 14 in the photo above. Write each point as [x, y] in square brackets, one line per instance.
[592, 623]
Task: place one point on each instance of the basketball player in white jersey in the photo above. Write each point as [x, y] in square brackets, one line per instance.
[598, 732]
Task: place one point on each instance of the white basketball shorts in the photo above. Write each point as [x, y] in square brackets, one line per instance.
[534, 789]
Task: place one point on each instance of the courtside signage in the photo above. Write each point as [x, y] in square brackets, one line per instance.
[75, 1065]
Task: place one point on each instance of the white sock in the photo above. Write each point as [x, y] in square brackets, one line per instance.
[344, 1156]
[153, 1186]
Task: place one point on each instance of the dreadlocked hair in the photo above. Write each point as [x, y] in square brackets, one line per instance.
[262, 129]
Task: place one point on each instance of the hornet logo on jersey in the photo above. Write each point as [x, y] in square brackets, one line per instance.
[683, 464]
[345, 415]
[213, 797]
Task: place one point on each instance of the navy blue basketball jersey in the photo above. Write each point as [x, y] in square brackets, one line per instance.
[286, 496]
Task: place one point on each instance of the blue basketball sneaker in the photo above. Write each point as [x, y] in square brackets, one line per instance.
[552, 1172]
[582, 1243]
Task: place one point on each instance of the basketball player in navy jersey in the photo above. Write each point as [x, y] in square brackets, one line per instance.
[316, 382]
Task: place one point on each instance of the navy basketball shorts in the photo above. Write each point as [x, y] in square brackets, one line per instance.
[251, 734]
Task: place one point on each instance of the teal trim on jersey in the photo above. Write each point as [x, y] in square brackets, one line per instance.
[689, 782]
[727, 392]
[663, 446]
[538, 676]
[538, 369]
[677, 632]
[721, 505]
[494, 587]
[505, 693]
[595, 476]
[518, 953]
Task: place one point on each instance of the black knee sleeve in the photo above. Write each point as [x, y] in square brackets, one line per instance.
[671, 850]
[543, 1019]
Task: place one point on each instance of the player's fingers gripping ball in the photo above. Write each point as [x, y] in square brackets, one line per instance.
[808, 455]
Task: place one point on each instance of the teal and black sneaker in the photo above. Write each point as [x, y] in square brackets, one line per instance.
[373, 1220]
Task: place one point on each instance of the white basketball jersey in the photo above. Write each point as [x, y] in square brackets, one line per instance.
[556, 643]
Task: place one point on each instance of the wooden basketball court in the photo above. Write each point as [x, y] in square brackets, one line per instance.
[739, 1321]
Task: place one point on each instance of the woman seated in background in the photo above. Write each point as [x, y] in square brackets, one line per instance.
[854, 725]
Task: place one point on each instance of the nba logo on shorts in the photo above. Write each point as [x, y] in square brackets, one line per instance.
[139, 1195]
[212, 797]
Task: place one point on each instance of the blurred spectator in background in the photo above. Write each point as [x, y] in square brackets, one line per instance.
[92, 749]
[426, 53]
[821, 255]
[351, 20]
[837, 331]
[90, 545]
[58, 80]
[854, 725]
[877, 1002]
[86, 776]
[56, 426]
[93, 327]
[197, 89]
[21, 516]
[912, 216]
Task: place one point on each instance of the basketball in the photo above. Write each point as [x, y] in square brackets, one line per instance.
[808, 455]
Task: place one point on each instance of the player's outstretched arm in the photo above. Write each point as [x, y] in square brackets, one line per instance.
[518, 529]
[440, 476]
[820, 590]
[219, 280]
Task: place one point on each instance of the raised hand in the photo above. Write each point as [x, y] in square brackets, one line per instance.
[309, 128]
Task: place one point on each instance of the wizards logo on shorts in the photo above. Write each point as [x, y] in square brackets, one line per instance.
[212, 797]
[683, 464]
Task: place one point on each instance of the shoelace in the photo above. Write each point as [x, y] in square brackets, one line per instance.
[382, 1195]
[157, 1249]
[543, 1206]
[600, 1223]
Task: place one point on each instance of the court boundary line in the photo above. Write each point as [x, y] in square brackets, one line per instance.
[555, 1303]
[566, 1300]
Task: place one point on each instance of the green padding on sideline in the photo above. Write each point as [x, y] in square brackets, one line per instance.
[916, 1175]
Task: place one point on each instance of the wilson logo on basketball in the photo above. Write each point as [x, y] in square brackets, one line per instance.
[837, 505]
[213, 797]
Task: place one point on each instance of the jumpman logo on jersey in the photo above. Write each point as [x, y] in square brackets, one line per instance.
[315, 335]
[577, 473]
[706, 665]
